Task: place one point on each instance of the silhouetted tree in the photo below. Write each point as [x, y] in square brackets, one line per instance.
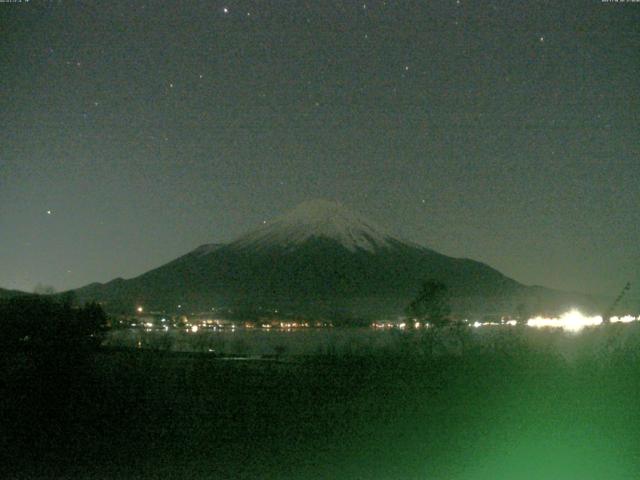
[523, 313]
[54, 344]
[68, 299]
[431, 304]
[45, 322]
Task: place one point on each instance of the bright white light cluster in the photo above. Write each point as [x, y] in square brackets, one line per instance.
[572, 321]
[625, 319]
[510, 323]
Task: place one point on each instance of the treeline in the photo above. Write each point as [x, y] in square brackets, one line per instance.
[45, 321]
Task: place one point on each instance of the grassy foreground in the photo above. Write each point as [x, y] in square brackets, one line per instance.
[512, 408]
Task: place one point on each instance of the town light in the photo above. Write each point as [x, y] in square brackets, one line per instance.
[572, 321]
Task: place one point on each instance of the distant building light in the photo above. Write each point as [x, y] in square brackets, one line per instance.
[572, 321]
[625, 319]
[139, 309]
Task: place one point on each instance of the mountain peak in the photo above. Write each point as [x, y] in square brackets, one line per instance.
[318, 219]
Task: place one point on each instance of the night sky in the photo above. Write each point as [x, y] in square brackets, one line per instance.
[503, 131]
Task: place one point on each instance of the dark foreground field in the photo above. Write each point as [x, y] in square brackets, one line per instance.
[508, 411]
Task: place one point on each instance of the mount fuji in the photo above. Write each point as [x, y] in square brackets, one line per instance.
[320, 259]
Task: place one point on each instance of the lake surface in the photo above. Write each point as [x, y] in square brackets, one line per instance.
[365, 341]
[308, 341]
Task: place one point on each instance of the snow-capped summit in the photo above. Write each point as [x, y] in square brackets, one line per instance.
[318, 219]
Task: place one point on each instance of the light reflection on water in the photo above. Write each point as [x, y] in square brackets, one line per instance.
[592, 341]
[308, 341]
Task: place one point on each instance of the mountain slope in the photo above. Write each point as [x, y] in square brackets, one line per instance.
[318, 259]
[12, 293]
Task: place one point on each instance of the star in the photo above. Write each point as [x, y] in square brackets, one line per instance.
[49, 212]
[225, 10]
[541, 39]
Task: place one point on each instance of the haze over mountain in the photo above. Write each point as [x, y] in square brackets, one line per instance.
[320, 259]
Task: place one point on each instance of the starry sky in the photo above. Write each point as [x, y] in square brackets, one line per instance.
[502, 131]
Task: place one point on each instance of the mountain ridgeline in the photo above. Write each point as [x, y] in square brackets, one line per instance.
[319, 260]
